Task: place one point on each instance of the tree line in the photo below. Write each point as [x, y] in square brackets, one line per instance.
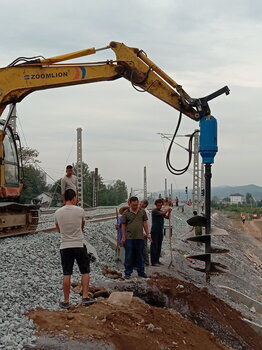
[34, 184]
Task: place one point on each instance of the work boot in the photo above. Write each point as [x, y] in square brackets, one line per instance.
[143, 275]
[127, 277]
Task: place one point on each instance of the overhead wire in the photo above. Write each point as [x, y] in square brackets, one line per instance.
[170, 167]
[22, 131]
[37, 164]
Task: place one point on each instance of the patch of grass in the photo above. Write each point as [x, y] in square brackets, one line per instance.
[233, 211]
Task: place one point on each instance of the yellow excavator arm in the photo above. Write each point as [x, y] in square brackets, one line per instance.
[20, 79]
[26, 75]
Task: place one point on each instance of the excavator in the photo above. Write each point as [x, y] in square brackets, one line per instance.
[28, 74]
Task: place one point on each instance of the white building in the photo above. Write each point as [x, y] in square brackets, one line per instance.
[236, 198]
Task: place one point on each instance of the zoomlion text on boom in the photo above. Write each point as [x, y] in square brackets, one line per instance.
[46, 75]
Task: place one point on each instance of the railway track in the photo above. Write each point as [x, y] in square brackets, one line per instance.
[93, 219]
[51, 211]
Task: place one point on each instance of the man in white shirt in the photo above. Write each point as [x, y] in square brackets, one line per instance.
[70, 223]
[69, 181]
[144, 205]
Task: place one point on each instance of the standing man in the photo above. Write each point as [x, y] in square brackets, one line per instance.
[243, 218]
[120, 252]
[70, 223]
[144, 205]
[69, 181]
[198, 229]
[134, 222]
[158, 216]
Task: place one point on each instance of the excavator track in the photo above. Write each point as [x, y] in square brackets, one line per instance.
[17, 219]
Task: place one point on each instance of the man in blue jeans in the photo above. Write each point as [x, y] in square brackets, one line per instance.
[134, 223]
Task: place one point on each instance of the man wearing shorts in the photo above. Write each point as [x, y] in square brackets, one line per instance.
[70, 223]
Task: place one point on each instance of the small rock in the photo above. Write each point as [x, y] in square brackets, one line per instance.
[150, 327]
[180, 286]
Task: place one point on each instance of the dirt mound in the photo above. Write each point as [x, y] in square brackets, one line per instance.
[111, 273]
[207, 311]
[136, 327]
[94, 291]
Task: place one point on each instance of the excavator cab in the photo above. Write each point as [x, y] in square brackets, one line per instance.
[15, 218]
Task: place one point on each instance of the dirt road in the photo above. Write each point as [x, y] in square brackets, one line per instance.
[253, 227]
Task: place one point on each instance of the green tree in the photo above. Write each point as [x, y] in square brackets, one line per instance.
[249, 198]
[29, 156]
[107, 195]
[33, 184]
[32, 178]
[55, 190]
[120, 192]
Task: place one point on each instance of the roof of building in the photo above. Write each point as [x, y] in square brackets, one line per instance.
[236, 195]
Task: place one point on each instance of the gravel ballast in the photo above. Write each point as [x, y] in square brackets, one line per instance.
[31, 277]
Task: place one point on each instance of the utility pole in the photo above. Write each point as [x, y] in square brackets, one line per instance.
[186, 192]
[97, 185]
[165, 188]
[95, 188]
[79, 168]
[145, 183]
[171, 192]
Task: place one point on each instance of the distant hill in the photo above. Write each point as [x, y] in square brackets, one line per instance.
[225, 191]
[222, 191]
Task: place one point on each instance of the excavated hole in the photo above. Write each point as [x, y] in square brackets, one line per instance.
[150, 295]
[164, 299]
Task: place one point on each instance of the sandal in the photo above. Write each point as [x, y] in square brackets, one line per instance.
[64, 305]
[88, 301]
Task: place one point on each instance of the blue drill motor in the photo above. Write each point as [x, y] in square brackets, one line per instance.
[208, 139]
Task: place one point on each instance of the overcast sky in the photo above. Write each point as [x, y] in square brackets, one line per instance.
[203, 45]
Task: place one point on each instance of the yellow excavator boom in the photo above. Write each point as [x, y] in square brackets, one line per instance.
[20, 79]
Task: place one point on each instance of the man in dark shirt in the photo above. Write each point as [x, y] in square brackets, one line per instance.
[198, 229]
[134, 223]
[157, 229]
